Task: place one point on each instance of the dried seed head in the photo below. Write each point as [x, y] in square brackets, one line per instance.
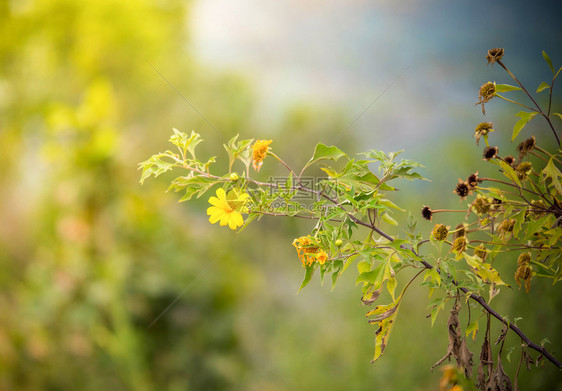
[427, 213]
[481, 252]
[494, 55]
[509, 160]
[459, 231]
[538, 208]
[496, 204]
[524, 259]
[481, 205]
[506, 227]
[490, 153]
[485, 94]
[473, 180]
[462, 189]
[524, 271]
[440, 232]
[525, 146]
[524, 169]
[459, 244]
[483, 129]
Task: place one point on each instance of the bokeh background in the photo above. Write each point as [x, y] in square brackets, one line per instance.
[105, 284]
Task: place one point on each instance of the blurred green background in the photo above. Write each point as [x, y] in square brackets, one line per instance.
[89, 259]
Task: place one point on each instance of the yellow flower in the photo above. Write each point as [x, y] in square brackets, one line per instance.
[259, 151]
[321, 257]
[227, 208]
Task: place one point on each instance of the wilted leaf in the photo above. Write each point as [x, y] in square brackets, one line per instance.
[499, 381]
[385, 315]
[372, 297]
[457, 344]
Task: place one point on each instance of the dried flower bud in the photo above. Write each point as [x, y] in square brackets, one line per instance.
[440, 232]
[525, 146]
[459, 245]
[486, 94]
[483, 129]
[481, 252]
[481, 205]
[473, 180]
[462, 189]
[494, 55]
[490, 153]
[427, 213]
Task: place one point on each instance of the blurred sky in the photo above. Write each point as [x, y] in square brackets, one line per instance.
[349, 52]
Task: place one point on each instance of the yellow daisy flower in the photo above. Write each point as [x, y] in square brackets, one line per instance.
[227, 208]
[321, 257]
[259, 151]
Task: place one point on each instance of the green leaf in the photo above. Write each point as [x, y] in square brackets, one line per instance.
[543, 86]
[307, 277]
[391, 204]
[386, 218]
[323, 152]
[155, 166]
[552, 172]
[193, 185]
[519, 125]
[364, 266]
[185, 143]
[548, 61]
[374, 277]
[506, 88]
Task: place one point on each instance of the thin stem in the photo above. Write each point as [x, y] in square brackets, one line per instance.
[533, 100]
[508, 184]
[547, 153]
[515, 103]
[537, 155]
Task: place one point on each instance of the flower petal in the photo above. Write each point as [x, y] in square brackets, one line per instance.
[236, 220]
[214, 201]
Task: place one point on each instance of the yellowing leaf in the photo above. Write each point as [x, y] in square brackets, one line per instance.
[391, 286]
[552, 172]
[386, 315]
[484, 270]
[472, 328]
